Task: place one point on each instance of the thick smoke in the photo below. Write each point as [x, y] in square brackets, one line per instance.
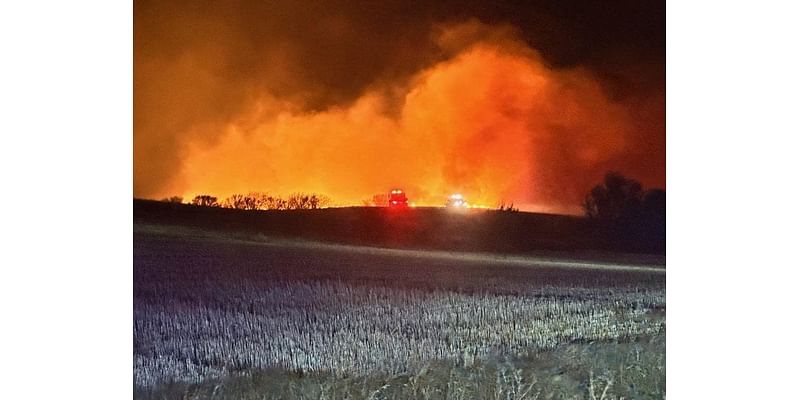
[334, 104]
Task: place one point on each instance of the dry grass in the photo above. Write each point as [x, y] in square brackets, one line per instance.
[592, 371]
[230, 320]
[220, 330]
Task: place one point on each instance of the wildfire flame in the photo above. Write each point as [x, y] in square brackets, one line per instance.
[493, 121]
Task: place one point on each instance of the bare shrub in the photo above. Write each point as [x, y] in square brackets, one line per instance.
[510, 207]
[173, 199]
[205, 201]
[380, 200]
[241, 202]
[264, 201]
[274, 203]
[303, 201]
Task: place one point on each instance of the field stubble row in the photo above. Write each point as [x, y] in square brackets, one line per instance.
[346, 329]
[230, 313]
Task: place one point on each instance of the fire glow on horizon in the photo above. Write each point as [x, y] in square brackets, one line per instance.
[493, 122]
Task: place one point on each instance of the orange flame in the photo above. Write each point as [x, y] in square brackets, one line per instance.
[493, 122]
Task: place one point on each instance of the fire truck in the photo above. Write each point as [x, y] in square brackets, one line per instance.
[456, 201]
[397, 198]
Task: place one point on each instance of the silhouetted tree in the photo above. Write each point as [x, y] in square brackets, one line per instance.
[654, 219]
[303, 201]
[617, 198]
[173, 199]
[241, 202]
[318, 201]
[230, 201]
[205, 200]
[274, 203]
[257, 201]
[263, 201]
[298, 201]
[628, 216]
[654, 206]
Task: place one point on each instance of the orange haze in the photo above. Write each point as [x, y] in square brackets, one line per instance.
[490, 120]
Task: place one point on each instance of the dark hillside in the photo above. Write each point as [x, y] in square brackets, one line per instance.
[423, 228]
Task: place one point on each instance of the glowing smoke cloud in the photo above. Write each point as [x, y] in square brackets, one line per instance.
[490, 120]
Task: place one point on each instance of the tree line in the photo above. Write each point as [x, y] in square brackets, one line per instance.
[259, 201]
[626, 214]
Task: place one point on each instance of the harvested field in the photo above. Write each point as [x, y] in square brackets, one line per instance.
[225, 309]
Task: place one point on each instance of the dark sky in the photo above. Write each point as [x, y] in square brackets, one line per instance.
[205, 70]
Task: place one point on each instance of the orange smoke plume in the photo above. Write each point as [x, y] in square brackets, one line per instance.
[491, 121]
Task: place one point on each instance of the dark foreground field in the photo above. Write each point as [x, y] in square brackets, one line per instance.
[226, 313]
[412, 228]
